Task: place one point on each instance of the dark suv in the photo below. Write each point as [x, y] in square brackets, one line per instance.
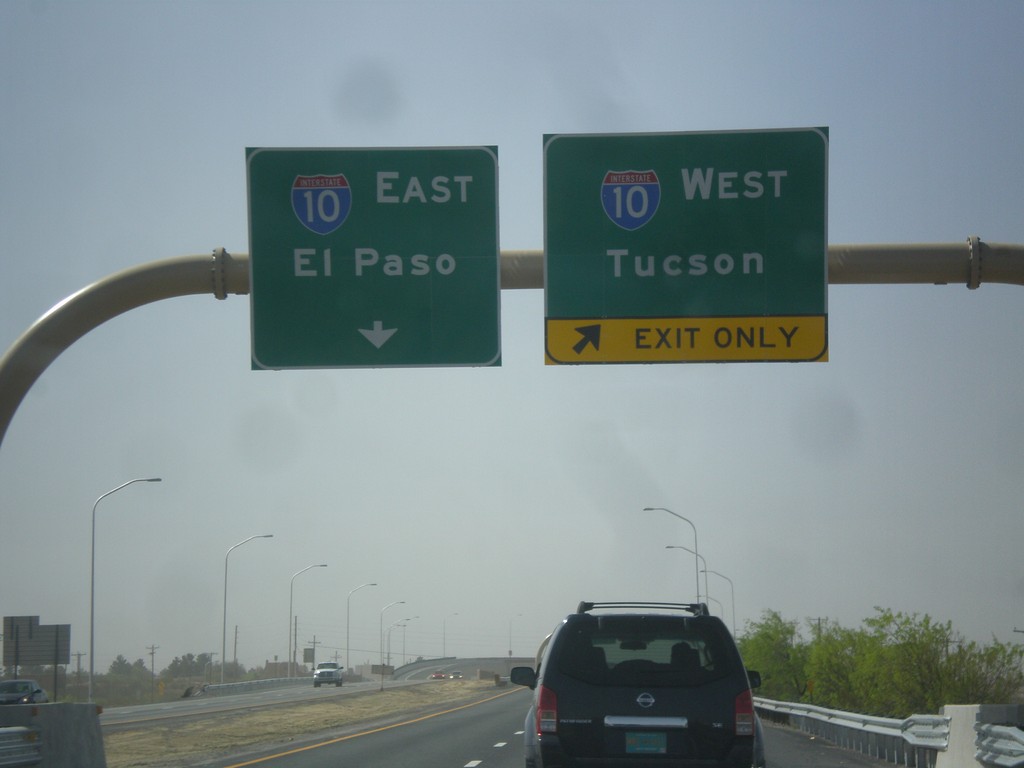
[650, 684]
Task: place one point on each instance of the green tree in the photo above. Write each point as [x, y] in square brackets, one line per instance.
[898, 664]
[833, 665]
[181, 667]
[989, 675]
[234, 671]
[908, 670]
[187, 666]
[774, 648]
[120, 666]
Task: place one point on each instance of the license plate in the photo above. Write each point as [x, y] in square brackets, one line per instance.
[646, 743]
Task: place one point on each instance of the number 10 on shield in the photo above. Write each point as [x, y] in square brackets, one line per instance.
[630, 198]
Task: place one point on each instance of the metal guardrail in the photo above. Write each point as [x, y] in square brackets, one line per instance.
[225, 689]
[914, 741]
[999, 745]
[19, 746]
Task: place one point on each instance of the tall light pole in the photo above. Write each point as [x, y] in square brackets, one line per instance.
[405, 627]
[444, 635]
[696, 557]
[348, 612]
[291, 596]
[397, 602]
[400, 624]
[92, 573]
[695, 547]
[510, 642]
[387, 635]
[224, 631]
[732, 590]
[717, 602]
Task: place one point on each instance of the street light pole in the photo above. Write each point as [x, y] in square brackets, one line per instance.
[444, 635]
[695, 547]
[399, 624]
[397, 602]
[403, 628]
[291, 596]
[718, 603]
[510, 642]
[224, 630]
[732, 590]
[387, 635]
[348, 612]
[696, 557]
[92, 573]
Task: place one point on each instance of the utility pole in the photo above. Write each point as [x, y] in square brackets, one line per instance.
[152, 669]
[78, 670]
[314, 643]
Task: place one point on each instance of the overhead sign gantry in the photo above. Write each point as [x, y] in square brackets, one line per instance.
[971, 263]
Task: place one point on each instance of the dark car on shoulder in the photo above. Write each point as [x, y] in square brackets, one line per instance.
[21, 692]
[641, 685]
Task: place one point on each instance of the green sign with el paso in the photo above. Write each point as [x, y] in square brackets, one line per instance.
[374, 257]
[686, 247]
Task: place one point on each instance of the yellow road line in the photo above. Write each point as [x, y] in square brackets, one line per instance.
[340, 739]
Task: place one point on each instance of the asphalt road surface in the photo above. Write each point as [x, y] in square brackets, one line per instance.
[489, 734]
[788, 748]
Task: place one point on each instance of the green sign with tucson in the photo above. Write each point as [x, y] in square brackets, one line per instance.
[686, 247]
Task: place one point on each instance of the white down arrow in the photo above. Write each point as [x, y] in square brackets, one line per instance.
[378, 335]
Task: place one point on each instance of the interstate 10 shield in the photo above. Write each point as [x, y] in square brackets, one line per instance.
[630, 198]
[321, 203]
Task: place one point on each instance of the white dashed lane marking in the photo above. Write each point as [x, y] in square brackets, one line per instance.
[499, 745]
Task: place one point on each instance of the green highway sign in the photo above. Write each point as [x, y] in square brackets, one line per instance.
[374, 257]
[686, 247]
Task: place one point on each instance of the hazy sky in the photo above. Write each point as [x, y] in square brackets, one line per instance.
[491, 500]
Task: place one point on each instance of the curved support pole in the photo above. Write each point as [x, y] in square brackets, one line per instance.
[79, 313]
[970, 263]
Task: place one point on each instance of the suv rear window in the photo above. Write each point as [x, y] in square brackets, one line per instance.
[650, 651]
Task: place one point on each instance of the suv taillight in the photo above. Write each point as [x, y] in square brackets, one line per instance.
[547, 711]
[745, 714]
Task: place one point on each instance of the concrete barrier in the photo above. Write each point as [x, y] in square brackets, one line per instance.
[69, 734]
[960, 752]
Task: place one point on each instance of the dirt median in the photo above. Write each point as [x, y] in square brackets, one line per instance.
[221, 736]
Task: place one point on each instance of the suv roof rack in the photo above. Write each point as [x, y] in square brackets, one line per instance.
[697, 609]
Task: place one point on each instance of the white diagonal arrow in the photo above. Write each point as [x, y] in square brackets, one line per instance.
[378, 335]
